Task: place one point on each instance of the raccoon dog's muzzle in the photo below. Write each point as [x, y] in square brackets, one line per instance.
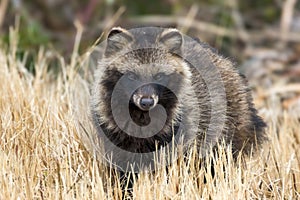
[145, 97]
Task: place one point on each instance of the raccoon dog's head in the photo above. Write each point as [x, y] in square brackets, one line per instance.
[149, 63]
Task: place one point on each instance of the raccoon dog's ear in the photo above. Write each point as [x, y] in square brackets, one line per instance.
[117, 39]
[172, 40]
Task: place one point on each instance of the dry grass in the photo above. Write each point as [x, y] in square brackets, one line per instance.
[44, 150]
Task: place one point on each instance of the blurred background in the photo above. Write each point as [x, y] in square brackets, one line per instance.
[262, 37]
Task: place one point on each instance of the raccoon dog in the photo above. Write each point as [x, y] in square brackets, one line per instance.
[152, 83]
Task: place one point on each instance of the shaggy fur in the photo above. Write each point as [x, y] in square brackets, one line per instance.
[186, 96]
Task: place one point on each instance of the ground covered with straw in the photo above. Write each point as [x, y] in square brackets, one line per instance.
[44, 150]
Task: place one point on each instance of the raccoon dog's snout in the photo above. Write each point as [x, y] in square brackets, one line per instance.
[145, 97]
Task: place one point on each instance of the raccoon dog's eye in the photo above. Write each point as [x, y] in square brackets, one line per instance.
[132, 76]
[159, 76]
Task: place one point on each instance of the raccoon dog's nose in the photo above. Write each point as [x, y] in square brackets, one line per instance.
[146, 103]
